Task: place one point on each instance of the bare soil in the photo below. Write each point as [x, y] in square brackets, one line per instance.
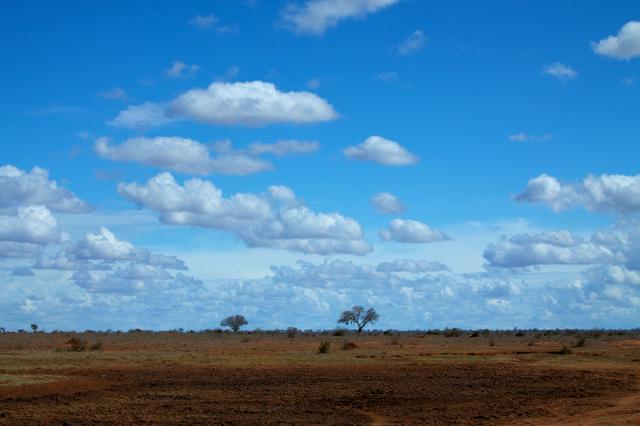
[154, 378]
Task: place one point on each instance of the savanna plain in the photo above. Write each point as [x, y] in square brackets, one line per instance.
[445, 377]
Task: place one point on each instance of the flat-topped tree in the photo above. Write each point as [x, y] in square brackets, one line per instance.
[234, 322]
[358, 316]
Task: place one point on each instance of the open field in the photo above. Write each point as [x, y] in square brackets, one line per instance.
[268, 378]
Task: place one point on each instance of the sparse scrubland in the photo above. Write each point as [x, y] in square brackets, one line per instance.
[296, 376]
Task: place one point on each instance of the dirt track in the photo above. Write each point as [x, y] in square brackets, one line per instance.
[390, 391]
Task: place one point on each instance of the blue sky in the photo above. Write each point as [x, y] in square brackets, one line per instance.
[202, 159]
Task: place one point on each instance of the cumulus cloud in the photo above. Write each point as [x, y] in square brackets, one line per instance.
[32, 224]
[180, 154]
[624, 45]
[143, 116]
[411, 231]
[387, 203]
[545, 248]
[412, 44]
[275, 219]
[253, 103]
[382, 151]
[316, 16]
[411, 265]
[284, 147]
[612, 274]
[607, 193]
[21, 188]
[560, 71]
[104, 264]
[180, 69]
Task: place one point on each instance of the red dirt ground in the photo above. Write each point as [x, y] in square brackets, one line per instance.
[378, 383]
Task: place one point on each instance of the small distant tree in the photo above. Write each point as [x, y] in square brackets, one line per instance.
[3, 330]
[358, 316]
[34, 328]
[234, 322]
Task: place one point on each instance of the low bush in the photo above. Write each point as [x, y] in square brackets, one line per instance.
[580, 343]
[291, 332]
[452, 332]
[77, 345]
[339, 332]
[97, 346]
[349, 346]
[324, 347]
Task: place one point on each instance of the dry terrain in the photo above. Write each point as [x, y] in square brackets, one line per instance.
[267, 378]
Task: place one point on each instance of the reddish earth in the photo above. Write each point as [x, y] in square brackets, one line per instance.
[281, 382]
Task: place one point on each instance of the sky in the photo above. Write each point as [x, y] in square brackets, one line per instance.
[451, 164]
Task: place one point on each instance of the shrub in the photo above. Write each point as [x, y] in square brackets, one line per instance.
[324, 347]
[475, 333]
[77, 345]
[97, 346]
[349, 346]
[452, 332]
[291, 332]
[339, 332]
[491, 342]
[520, 334]
[580, 343]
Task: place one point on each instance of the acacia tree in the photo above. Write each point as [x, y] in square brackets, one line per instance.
[234, 322]
[358, 316]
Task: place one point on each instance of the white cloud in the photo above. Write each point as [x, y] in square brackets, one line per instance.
[560, 71]
[180, 154]
[11, 249]
[413, 44]
[411, 231]
[31, 224]
[211, 22]
[624, 45]
[612, 274]
[115, 93]
[275, 219]
[180, 69]
[253, 103]
[618, 245]
[104, 245]
[387, 203]
[387, 77]
[410, 265]
[21, 188]
[316, 16]
[143, 116]
[525, 137]
[203, 21]
[545, 248]
[617, 193]
[105, 264]
[382, 151]
[284, 147]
